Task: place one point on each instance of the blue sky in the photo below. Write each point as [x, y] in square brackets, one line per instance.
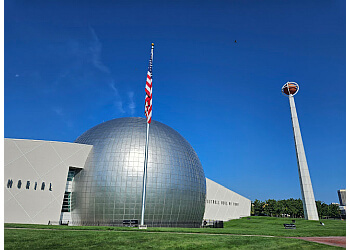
[70, 65]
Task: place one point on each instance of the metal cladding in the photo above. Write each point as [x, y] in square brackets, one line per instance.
[109, 190]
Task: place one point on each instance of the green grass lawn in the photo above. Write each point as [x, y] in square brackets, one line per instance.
[256, 225]
[274, 226]
[172, 238]
[65, 239]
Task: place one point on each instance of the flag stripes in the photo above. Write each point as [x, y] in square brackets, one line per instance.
[148, 89]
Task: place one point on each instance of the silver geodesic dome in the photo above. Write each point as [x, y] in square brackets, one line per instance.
[109, 188]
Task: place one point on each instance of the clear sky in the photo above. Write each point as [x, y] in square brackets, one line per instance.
[70, 65]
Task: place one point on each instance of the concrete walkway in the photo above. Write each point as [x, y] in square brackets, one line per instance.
[339, 241]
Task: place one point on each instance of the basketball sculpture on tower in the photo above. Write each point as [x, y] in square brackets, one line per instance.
[310, 210]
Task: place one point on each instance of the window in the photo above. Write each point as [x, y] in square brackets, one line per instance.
[66, 205]
[71, 174]
[9, 183]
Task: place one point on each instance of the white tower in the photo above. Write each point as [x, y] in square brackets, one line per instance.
[310, 210]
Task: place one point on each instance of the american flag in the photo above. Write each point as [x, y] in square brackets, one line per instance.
[148, 89]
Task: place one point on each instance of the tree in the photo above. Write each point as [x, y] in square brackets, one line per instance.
[293, 208]
[334, 210]
[300, 208]
[258, 207]
[282, 207]
[322, 209]
[270, 207]
[319, 207]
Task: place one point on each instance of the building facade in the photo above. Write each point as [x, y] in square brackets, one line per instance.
[342, 197]
[97, 180]
[35, 178]
[342, 201]
[224, 204]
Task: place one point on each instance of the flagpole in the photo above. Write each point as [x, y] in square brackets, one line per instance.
[144, 178]
[142, 225]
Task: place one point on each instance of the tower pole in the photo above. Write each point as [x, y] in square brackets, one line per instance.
[310, 209]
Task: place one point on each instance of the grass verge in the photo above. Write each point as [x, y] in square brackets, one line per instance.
[255, 225]
[65, 239]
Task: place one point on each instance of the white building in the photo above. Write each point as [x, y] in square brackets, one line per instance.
[38, 177]
[224, 204]
[35, 178]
